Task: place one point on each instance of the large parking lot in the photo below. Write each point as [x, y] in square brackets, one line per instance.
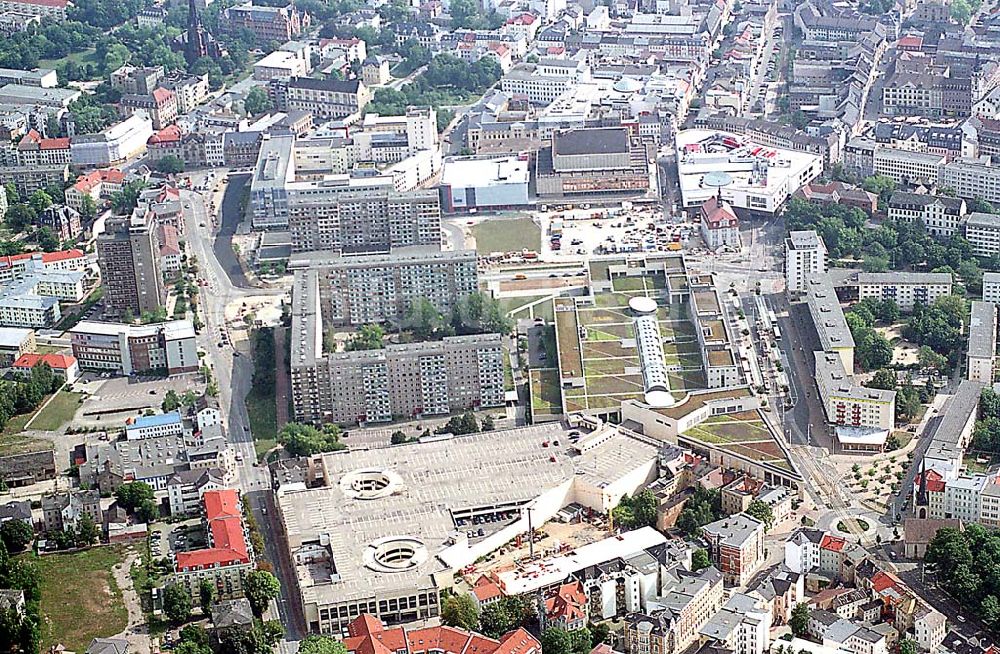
[113, 399]
[581, 232]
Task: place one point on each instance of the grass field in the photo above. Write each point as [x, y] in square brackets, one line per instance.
[88, 56]
[545, 395]
[57, 412]
[80, 599]
[261, 404]
[501, 235]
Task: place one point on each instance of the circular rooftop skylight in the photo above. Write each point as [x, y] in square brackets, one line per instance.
[370, 483]
[395, 554]
[642, 305]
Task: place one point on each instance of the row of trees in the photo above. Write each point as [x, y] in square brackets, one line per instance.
[636, 511]
[939, 326]
[478, 313]
[24, 396]
[20, 631]
[447, 81]
[986, 433]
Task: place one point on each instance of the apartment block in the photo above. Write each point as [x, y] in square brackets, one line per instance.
[227, 558]
[128, 256]
[135, 349]
[982, 230]
[906, 166]
[905, 289]
[982, 352]
[805, 257]
[359, 290]
[991, 287]
[423, 378]
[972, 178]
[736, 546]
[940, 215]
[689, 605]
[55, 9]
[743, 626]
[14, 342]
[870, 411]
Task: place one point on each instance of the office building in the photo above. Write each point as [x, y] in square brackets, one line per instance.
[541, 83]
[736, 546]
[115, 144]
[17, 266]
[45, 78]
[366, 633]
[489, 183]
[324, 99]
[267, 23]
[28, 179]
[907, 166]
[982, 353]
[905, 289]
[982, 230]
[53, 98]
[380, 288]
[63, 366]
[14, 342]
[128, 256]
[167, 347]
[940, 215]
[805, 258]
[743, 626]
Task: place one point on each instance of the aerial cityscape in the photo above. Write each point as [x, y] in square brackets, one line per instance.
[499, 327]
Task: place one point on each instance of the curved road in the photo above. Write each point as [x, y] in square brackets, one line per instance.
[232, 216]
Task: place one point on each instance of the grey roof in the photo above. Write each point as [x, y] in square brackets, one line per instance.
[905, 199]
[232, 613]
[803, 240]
[991, 278]
[602, 140]
[332, 85]
[980, 219]
[734, 530]
[108, 646]
[16, 511]
[827, 314]
[904, 278]
[983, 330]
[12, 337]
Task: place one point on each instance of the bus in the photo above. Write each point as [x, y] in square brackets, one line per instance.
[777, 333]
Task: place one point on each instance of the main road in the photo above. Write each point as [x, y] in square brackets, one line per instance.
[232, 368]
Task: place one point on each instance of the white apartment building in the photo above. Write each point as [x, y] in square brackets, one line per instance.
[805, 257]
[941, 215]
[982, 230]
[982, 352]
[972, 178]
[906, 289]
[906, 166]
[850, 404]
[165, 424]
[991, 287]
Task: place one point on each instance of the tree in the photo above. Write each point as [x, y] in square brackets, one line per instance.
[16, 535]
[131, 494]
[799, 620]
[368, 337]
[700, 560]
[636, 511]
[907, 646]
[260, 587]
[40, 201]
[206, 593]
[556, 641]
[884, 379]
[190, 647]
[487, 424]
[423, 319]
[989, 610]
[147, 511]
[306, 440]
[460, 611]
[321, 645]
[170, 164]
[176, 604]
[88, 209]
[598, 633]
[459, 425]
[47, 239]
[194, 633]
[704, 506]
[171, 401]
[87, 532]
[19, 216]
[257, 101]
[761, 511]
[506, 614]
[928, 358]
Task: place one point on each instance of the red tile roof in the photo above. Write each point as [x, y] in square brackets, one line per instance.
[367, 635]
[225, 523]
[882, 581]
[46, 3]
[935, 482]
[34, 138]
[169, 243]
[718, 214]
[832, 543]
[485, 589]
[568, 603]
[47, 257]
[161, 95]
[55, 361]
[111, 175]
[168, 134]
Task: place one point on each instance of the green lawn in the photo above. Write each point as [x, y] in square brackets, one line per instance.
[261, 403]
[58, 412]
[80, 599]
[502, 235]
[88, 56]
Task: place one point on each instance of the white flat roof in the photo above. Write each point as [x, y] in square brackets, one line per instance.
[541, 574]
[463, 173]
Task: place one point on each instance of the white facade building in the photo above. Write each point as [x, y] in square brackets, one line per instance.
[805, 257]
[115, 144]
[906, 289]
